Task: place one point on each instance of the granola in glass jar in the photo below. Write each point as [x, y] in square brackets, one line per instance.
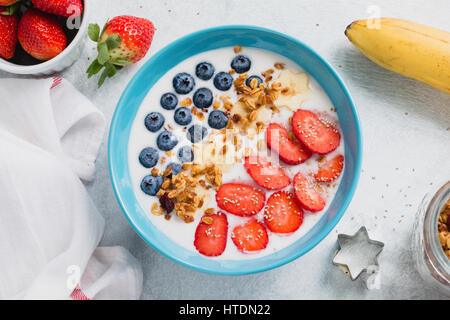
[444, 228]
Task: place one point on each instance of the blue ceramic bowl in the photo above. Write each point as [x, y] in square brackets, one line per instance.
[209, 39]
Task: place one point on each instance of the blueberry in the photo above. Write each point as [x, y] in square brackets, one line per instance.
[186, 154]
[166, 141]
[217, 119]
[151, 184]
[249, 79]
[203, 98]
[204, 70]
[149, 157]
[196, 133]
[154, 121]
[169, 101]
[223, 81]
[176, 168]
[241, 64]
[183, 83]
[182, 116]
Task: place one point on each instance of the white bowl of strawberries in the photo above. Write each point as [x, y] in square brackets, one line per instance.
[41, 37]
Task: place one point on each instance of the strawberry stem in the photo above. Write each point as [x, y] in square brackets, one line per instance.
[104, 59]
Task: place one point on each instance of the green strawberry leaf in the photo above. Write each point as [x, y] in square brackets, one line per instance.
[94, 32]
[113, 41]
[103, 53]
[94, 68]
[106, 42]
[120, 62]
[111, 69]
[103, 77]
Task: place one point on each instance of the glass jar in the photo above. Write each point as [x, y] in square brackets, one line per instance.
[431, 261]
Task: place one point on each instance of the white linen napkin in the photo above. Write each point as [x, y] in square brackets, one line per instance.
[49, 227]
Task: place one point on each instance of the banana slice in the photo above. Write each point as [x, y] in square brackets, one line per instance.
[206, 195]
[240, 109]
[211, 152]
[263, 114]
[299, 91]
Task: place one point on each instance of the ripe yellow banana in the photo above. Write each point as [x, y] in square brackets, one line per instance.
[411, 49]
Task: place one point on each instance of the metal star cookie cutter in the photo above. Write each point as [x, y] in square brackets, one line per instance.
[357, 252]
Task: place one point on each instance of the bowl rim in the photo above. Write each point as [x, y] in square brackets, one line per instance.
[10, 67]
[328, 227]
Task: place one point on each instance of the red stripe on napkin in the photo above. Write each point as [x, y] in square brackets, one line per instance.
[56, 82]
[78, 294]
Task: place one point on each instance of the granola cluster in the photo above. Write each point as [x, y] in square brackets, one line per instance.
[181, 192]
[256, 96]
[200, 114]
[444, 228]
[252, 97]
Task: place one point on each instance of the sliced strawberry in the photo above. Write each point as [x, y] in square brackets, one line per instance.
[319, 135]
[330, 170]
[250, 237]
[211, 238]
[309, 198]
[265, 174]
[283, 213]
[290, 151]
[240, 199]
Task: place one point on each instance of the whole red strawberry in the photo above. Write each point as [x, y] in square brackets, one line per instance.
[41, 35]
[5, 3]
[65, 8]
[125, 40]
[8, 33]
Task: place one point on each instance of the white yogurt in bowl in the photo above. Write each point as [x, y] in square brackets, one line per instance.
[308, 95]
